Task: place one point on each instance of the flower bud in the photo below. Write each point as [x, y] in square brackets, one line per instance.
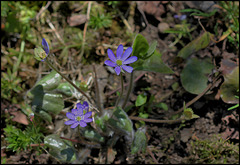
[40, 54]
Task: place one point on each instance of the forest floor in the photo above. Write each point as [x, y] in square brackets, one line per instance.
[168, 143]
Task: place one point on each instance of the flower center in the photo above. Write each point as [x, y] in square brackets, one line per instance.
[78, 118]
[119, 62]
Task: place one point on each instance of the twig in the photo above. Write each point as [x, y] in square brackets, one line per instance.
[113, 46]
[132, 13]
[125, 21]
[157, 121]
[43, 9]
[198, 96]
[37, 145]
[142, 12]
[150, 152]
[85, 28]
[55, 31]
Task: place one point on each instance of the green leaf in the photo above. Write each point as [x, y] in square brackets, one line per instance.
[43, 99]
[140, 141]
[149, 59]
[228, 89]
[121, 123]
[49, 102]
[60, 149]
[151, 49]
[153, 64]
[92, 135]
[143, 115]
[162, 106]
[188, 113]
[197, 44]
[140, 47]
[44, 115]
[194, 76]
[141, 99]
[50, 81]
[65, 89]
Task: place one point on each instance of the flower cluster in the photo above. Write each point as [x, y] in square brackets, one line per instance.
[120, 62]
[79, 116]
[41, 54]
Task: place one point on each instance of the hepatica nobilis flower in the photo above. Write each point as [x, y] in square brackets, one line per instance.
[41, 54]
[79, 116]
[120, 62]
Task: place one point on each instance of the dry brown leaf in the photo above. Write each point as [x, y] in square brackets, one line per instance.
[227, 66]
[19, 117]
[76, 20]
[111, 155]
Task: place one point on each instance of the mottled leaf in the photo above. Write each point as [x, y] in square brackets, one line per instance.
[60, 149]
[50, 81]
[140, 141]
[121, 123]
[92, 135]
[49, 102]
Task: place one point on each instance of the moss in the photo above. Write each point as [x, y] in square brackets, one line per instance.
[215, 150]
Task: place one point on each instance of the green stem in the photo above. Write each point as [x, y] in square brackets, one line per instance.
[129, 90]
[51, 66]
[15, 67]
[119, 98]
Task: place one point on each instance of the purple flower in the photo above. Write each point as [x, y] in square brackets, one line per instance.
[120, 62]
[181, 17]
[79, 116]
[45, 47]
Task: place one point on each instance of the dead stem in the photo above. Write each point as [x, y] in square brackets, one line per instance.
[85, 29]
[43, 9]
[156, 121]
[125, 21]
[151, 154]
[55, 31]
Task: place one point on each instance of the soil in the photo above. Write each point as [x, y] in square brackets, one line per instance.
[167, 143]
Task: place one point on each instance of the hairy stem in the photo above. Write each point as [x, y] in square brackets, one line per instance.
[81, 91]
[119, 98]
[129, 90]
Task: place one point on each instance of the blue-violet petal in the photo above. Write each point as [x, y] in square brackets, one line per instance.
[130, 60]
[111, 55]
[127, 53]
[119, 51]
